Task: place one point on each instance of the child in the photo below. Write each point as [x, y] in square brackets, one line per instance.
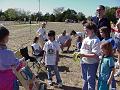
[79, 37]
[51, 49]
[79, 43]
[37, 51]
[90, 50]
[106, 38]
[106, 70]
[8, 80]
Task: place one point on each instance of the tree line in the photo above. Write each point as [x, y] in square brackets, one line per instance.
[58, 15]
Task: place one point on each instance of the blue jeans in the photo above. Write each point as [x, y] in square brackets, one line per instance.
[89, 75]
[56, 71]
[16, 85]
[113, 84]
[102, 85]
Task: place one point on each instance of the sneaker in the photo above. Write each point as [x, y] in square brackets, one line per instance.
[50, 82]
[117, 74]
[60, 85]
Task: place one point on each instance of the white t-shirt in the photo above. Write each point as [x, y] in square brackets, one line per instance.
[81, 34]
[37, 48]
[42, 32]
[61, 39]
[51, 49]
[90, 45]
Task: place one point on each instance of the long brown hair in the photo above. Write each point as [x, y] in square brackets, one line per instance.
[35, 39]
[107, 46]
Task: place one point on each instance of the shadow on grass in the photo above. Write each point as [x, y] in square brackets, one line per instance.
[66, 88]
[65, 56]
[70, 88]
[63, 69]
[42, 76]
[66, 52]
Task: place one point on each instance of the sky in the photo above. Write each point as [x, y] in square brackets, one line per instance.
[88, 7]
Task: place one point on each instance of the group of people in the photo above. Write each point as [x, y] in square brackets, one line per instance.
[96, 48]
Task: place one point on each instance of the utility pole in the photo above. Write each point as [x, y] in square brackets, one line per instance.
[39, 13]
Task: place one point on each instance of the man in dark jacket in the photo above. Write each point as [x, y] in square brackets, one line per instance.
[100, 20]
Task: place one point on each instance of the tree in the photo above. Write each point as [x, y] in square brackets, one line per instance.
[2, 18]
[22, 14]
[11, 14]
[81, 16]
[58, 10]
[110, 13]
[39, 16]
[46, 16]
[69, 14]
[52, 18]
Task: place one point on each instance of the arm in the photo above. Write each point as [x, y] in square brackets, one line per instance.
[95, 51]
[57, 57]
[44, 48]
[44, 57]
[92, 55]
[111, 76]
[111, 64]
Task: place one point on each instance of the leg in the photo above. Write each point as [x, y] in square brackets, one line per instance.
[62, 47]
[92, 70]
[58, 78]
[67, 44]
[49, 69]
[118, 51]
[84, 68]
[16, 85]
[113, 84]
[102, 85]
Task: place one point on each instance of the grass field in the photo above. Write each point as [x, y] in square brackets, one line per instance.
[22, 35]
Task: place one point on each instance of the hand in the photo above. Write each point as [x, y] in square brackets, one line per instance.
[56, 62]
[108, 82]
[81, 55]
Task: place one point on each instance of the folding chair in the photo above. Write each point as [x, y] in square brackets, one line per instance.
[24, 53]
[39, 57]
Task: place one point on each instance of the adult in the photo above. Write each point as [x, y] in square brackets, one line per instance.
[64, 40]
[100, 20]
[42, 32]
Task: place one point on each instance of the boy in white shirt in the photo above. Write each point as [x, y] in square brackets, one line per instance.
[64, 40]
[51, 57]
